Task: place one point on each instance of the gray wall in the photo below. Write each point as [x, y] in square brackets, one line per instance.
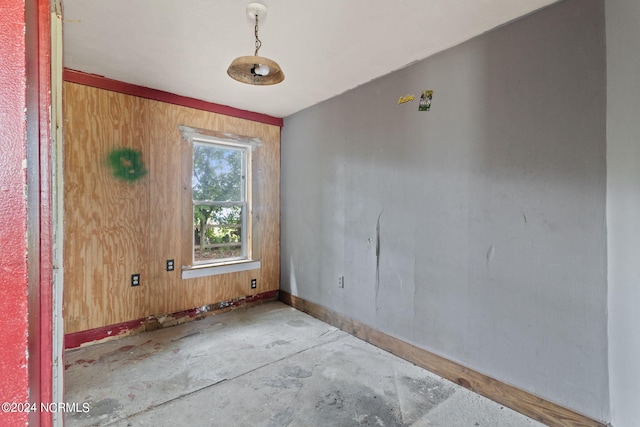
[475, 230]
[623, 208]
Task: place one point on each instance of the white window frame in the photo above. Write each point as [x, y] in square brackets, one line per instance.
[244, 202]
[245, 261]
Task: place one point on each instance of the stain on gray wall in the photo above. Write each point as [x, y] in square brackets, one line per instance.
[476, 231]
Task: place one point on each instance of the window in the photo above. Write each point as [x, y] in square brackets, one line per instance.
[220, 202]
[220, 236]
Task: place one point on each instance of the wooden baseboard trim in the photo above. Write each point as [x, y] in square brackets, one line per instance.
[521, 401]
[105, 333]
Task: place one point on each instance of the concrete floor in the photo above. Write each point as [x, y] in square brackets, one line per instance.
[268, 365]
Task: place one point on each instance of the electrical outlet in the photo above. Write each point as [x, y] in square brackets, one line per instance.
[341, 281]
[135, 279]
[254, 283]
[170, 265]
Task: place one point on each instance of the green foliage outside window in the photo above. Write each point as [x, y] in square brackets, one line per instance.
[218, 195]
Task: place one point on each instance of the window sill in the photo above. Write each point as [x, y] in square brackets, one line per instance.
[192, 272]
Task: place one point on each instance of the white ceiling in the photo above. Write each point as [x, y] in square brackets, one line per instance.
[324, 47]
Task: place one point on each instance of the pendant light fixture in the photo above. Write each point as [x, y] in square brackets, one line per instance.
[256, 70]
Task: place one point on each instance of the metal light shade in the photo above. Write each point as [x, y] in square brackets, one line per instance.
[241, 70]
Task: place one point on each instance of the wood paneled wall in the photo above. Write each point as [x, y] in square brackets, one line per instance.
[114, 229]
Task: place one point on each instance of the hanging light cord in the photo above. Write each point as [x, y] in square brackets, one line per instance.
[258, 42]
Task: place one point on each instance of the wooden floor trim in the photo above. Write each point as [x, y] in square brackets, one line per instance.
[120, 330]
[521, 401]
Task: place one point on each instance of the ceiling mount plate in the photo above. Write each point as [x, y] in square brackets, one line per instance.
[258, 9]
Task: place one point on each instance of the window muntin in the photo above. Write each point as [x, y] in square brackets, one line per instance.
[220, 202]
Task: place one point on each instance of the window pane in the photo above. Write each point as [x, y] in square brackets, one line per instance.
[217, 232]
[217, 173]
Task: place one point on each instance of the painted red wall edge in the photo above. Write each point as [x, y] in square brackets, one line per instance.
[25, 211]
[44, 284]
[101, 82]
[14, 379]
